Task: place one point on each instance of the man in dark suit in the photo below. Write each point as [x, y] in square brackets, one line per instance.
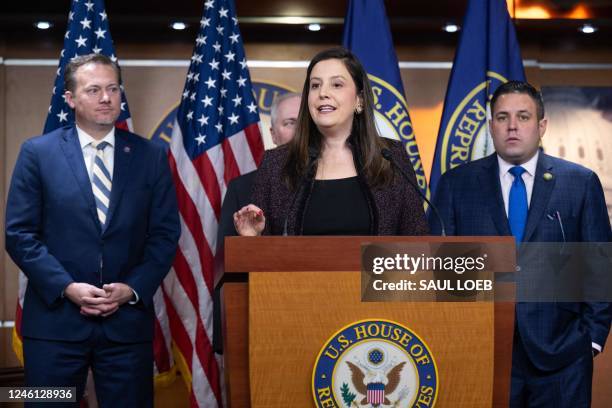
[523, 192]
[92, 221]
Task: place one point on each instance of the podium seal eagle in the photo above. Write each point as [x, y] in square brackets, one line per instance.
[375, 363]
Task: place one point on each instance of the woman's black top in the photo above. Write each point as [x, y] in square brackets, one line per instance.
[337, 207]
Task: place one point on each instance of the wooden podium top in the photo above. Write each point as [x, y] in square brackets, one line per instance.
[333, 253]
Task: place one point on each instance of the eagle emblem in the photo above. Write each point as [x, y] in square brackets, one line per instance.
[374, 390]
[375, 364]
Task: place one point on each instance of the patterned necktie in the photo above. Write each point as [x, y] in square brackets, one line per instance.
[101, 183]
[517, 204]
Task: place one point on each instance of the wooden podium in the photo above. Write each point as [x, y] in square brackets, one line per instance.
[283, 297]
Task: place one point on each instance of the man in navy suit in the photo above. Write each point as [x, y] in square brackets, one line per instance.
[523, 192]
[92, 221]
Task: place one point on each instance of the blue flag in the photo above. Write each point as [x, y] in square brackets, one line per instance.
[368, 36]
[87, 32]
[488, 55]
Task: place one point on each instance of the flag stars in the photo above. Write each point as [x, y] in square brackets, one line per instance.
[196, 58]
[113, 58]
[220, 109]
[103, 15]
[207, 101]
[67, 35]
[190, 115]
[220, 29]
[189, 76]
[85, 23]
[89, 6]
[201, 139]
[186, 94]
[223, 93]
[217, 46]
[227, 75]
[209, 4]
[252, 107]
[196, 77]
[243, 63]
[214, 64]
[234, 37]
[100, 33]
[201, 40]
[71, 16]
[233, 119]
[203, 120]
[62, 116]
[230, 56]
[62, 53]
[123, 106]
[241, 81]
[192, 97]
[81, 41]
[96, 50]
[205, 22]
[219, 127]
[210, 83]
[235, 20]
[237, 101]
[223, 12]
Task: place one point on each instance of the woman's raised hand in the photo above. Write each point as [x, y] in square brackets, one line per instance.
[249, 221]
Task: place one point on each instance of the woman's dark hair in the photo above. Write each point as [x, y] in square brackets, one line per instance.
[364, 139]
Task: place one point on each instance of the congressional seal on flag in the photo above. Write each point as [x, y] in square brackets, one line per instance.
[465, 137]
[488, 55]
[393, 122]
[372, 363]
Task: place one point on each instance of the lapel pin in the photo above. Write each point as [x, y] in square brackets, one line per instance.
[547, 176]
[127, 149]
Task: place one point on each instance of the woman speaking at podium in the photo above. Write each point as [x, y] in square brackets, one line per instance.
[337, 176]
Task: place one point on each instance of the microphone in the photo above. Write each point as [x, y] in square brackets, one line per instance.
[313, 154]
[386, 153]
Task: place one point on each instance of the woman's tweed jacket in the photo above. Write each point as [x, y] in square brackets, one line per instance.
[395, 209]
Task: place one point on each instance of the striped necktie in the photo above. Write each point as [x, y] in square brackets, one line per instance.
[517, 204]
[101, 183]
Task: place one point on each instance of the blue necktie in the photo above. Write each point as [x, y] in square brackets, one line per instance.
[517, 204]
[101, 183]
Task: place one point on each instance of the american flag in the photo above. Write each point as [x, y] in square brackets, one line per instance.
[88, 32]
[215, 138]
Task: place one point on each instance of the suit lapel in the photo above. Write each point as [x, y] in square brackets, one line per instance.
[123, 157]
[489, 180]
[542, 190]
[74, 155]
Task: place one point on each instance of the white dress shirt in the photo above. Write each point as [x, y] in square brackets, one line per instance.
[89, 151]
